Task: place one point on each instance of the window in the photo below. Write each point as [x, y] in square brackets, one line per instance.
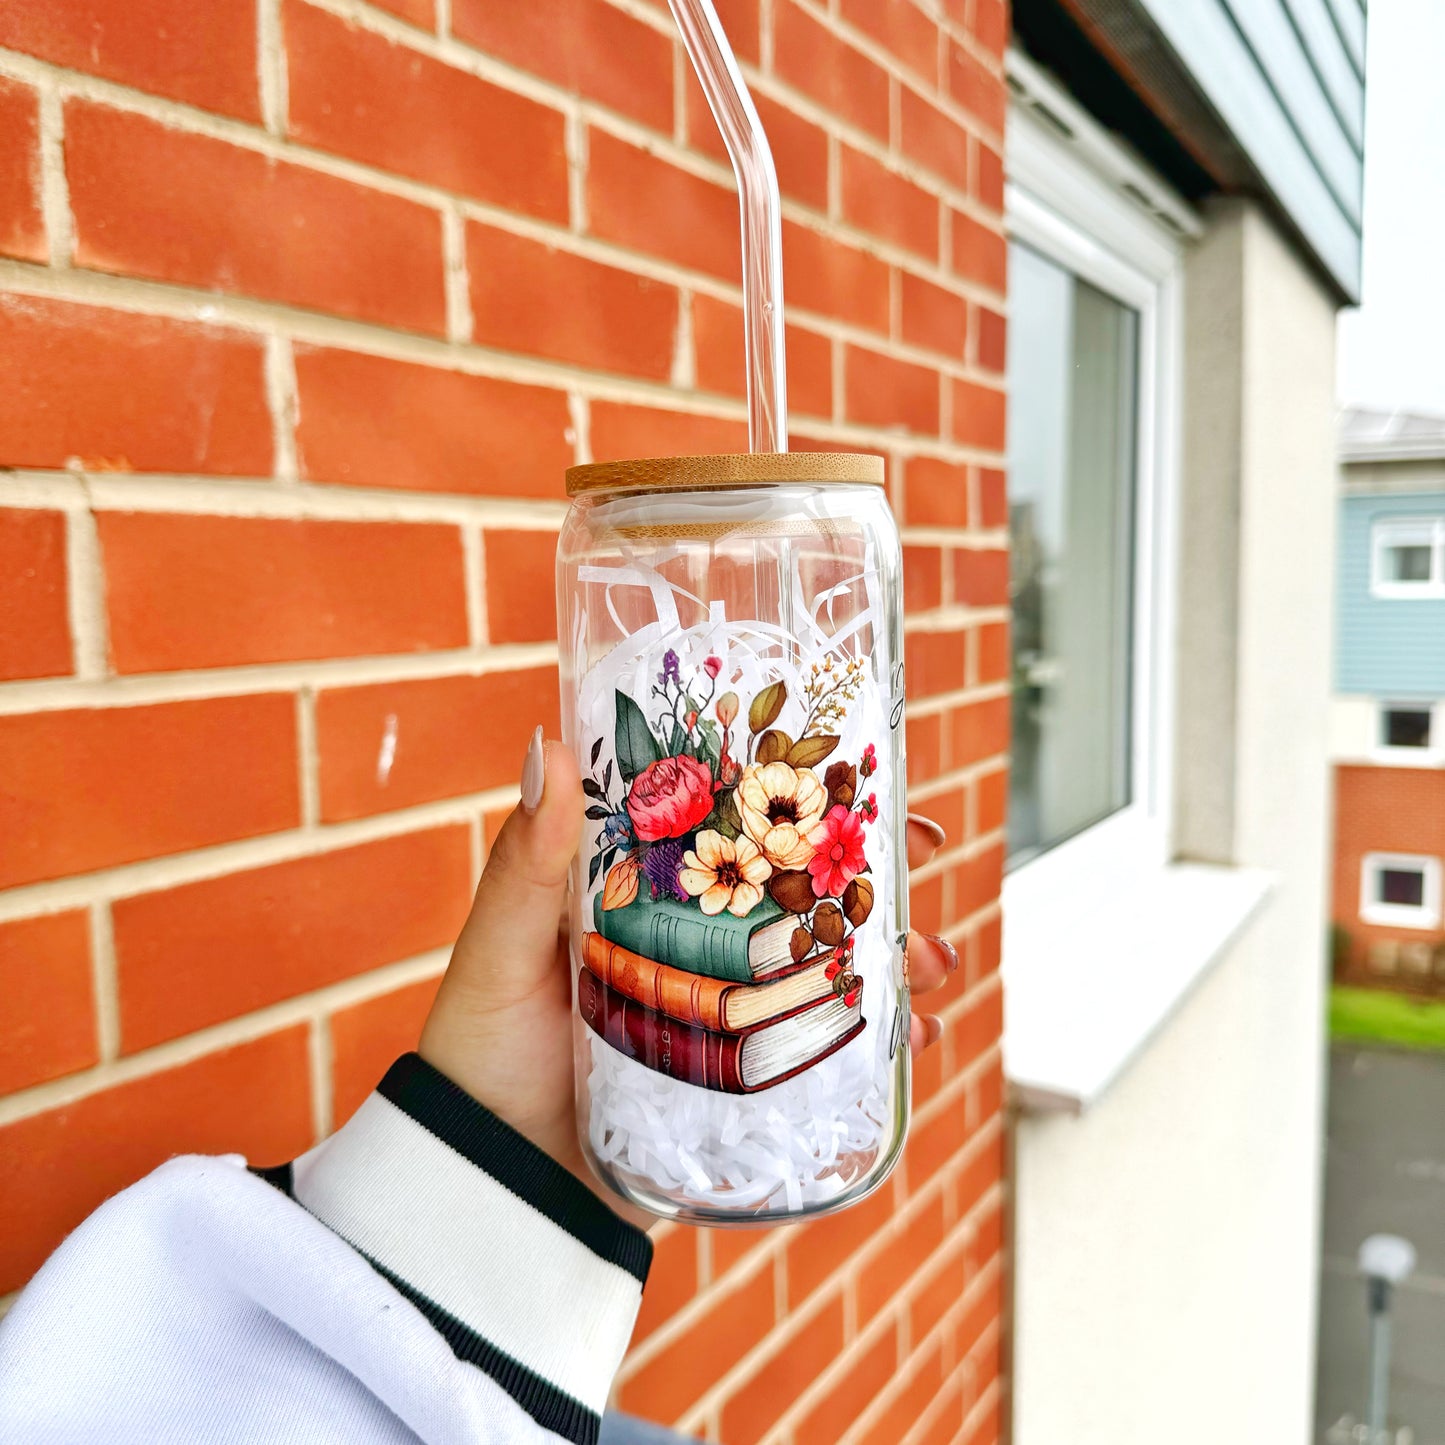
[1405, 725]
[1073, 362]
[1408, 558]
[1400, 890]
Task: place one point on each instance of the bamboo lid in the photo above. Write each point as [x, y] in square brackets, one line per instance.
[731, 469]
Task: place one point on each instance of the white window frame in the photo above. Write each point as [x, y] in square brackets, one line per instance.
[1428, 756]
[1387, 532]
[1400, 915]
[1065, 199]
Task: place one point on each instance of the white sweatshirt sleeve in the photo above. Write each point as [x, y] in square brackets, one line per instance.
[426, 1273]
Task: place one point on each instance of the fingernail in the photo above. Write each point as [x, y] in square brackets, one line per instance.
[934, 830]
[949, 951]
[534, 774]
[932, 1029]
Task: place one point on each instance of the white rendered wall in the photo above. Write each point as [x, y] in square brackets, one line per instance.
[1165, 1243]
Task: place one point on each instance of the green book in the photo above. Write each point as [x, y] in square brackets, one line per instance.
[737, 950]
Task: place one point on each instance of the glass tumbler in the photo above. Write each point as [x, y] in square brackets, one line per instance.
[732, 686]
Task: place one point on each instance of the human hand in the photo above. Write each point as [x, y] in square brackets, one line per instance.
[501, 1026]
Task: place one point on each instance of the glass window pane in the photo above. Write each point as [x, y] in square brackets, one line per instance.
[1408, 564]
[1407, 727]
[1404, 886]
[1073, 418]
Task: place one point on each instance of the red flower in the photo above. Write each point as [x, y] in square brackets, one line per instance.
[712, 666]
[869, 763]
[869, 807]
[838, 855]
[669, 798]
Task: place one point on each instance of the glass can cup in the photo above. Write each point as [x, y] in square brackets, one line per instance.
[732, 686]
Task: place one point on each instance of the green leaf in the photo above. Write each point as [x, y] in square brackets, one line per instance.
[677, 742]
[593, 869]
[636, 745]
[726, 818]
[766, 706]
[809, 752]
[596, 751]
[597, 812]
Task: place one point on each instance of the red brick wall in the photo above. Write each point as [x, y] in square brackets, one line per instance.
[1385, 810]
[306, 308]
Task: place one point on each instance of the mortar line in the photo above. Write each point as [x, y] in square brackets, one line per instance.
[318, 1060]
[85, 595]
[104, 978]
[283, 405]
[454, 268]
[308, 760]
[54, 187]
[272, 78]
[474, 573]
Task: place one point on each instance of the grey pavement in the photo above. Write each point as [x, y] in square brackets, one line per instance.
[1384, 1173]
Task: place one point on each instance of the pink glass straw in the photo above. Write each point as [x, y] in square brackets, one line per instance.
[742, 132]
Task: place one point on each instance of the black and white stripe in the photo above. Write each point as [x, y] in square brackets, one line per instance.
[523, 1270]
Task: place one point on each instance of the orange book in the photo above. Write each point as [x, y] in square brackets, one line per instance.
[708, 1003]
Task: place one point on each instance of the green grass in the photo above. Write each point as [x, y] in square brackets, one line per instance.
[1377, 1016]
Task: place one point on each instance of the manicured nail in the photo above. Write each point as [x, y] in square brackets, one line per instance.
[949, 951]
[932, 1029]
[534, 774]
[934, 830]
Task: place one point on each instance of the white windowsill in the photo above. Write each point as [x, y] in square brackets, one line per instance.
[1092, 972]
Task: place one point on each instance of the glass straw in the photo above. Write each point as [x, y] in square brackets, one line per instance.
[742, 132]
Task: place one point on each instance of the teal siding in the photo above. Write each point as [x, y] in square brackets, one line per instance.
[1385, 647]
[1287, 79]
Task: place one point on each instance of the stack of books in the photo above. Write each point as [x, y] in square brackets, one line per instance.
[714, 1001]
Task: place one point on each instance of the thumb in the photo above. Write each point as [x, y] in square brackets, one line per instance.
[509, 943]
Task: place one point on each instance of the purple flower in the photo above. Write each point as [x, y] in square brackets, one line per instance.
[671, 672]
[662, 865]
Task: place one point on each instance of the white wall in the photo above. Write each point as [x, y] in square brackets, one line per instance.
[1166, 1239]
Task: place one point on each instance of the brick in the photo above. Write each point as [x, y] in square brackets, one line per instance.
[732, 1246]
[991, 343]
[979, 252]
[910, 1402]
[596, 316]
[34, 616]
[885, 392]
[717, 332]
[984, 1311]
[987, 1428]
[988, 177]
[991, 800]
[823, 1248]
[933, 318]
[585, 46]
[193, 955]
[800, 148]
[648, 204]
[888, 205]
[933, 662]
[368, 1037]
[671, 1283]
[978, 881]
[977, 730]
[448, 736]
[202, 54]
[418, 12]
[753, 1407]
[946, 809]
[204, 591]
[986, 1242]
[735, 1321]
[621, 431]
[56, 1167]
[215, 215]
[978, 1028]
[945, 1277]
[981, 1173]
[372, 422]
[975, 87]
[869, 1370]
[22, 226]
[95, 787]
[520, 568]
[933, 139]
[985, 948]
[47, 1028]
[927, 1073]
[992, 652]
[355, 93]
[945, 1416]
[992, 497]
[980, 576]
[118, 391]
[844, 81]
[925, 904]
[924, 749]
[922, 578]
[902, 29]
[932, 1143]
[910, 1242]
[991, 25]
[823, 275]
[935, 493]
[978, 415]
[985, 1095]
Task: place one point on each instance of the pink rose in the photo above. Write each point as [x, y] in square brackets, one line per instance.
[838, 852]
[670, 797]
[712, 666]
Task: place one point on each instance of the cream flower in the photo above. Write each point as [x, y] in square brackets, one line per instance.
[724, 873]
[781, 808]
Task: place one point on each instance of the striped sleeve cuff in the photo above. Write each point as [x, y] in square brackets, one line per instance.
[522, 1268]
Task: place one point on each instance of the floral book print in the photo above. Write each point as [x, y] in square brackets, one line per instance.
[714, 805]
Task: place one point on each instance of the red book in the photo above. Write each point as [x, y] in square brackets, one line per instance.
[732, 1063]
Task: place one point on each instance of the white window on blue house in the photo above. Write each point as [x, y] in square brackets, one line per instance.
[1407, 725]
[1408, 558]
[1400, 890]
